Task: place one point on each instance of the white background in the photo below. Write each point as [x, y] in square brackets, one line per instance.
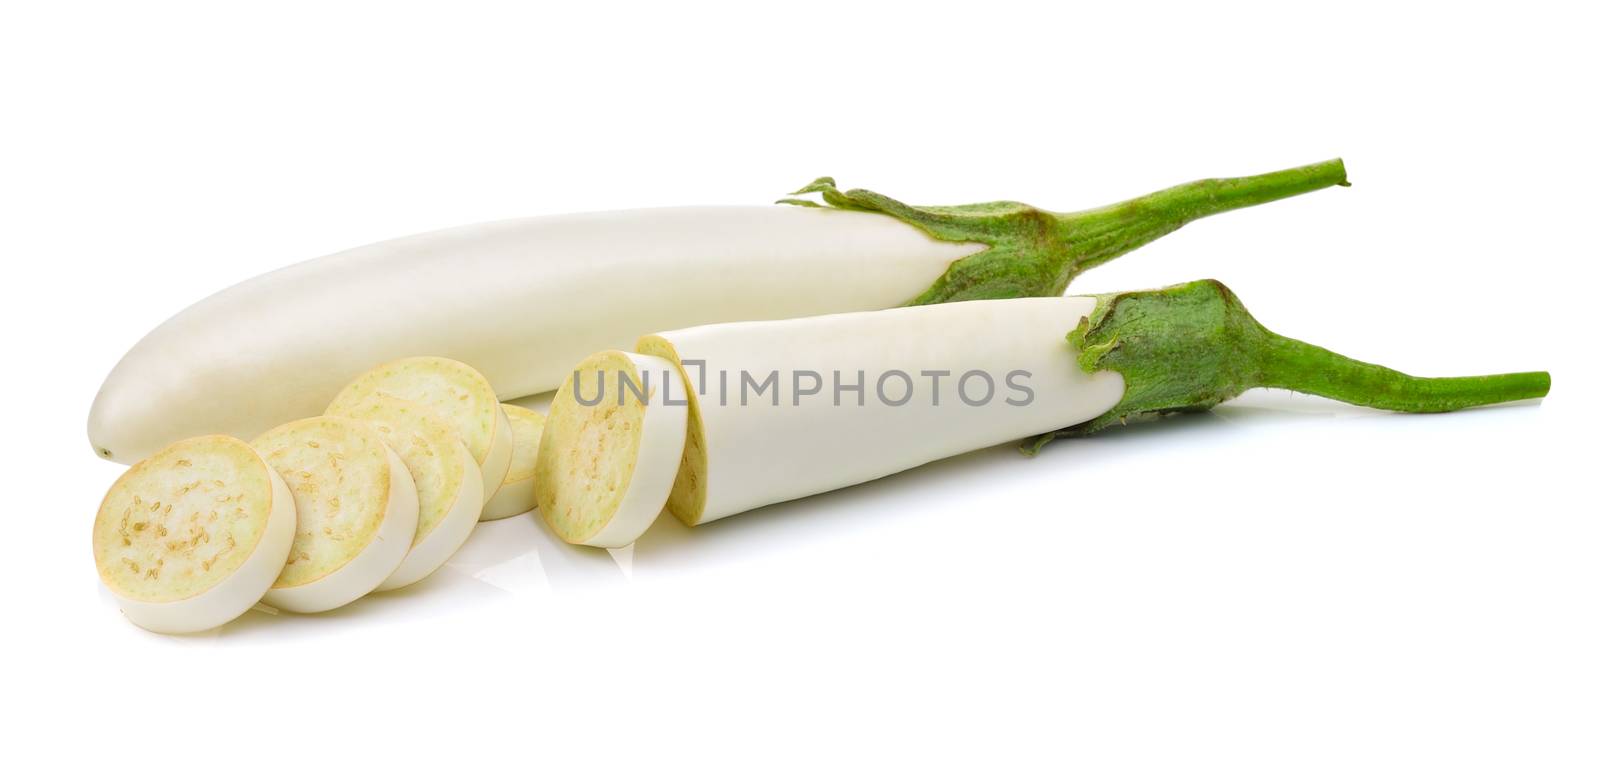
[1284, 580]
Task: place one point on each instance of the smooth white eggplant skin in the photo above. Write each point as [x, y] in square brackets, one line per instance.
[356, 516]
[521, 300]
[230, 478]
[516, 495]
[745, 452]
[605, 469]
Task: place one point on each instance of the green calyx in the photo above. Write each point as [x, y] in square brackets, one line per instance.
[1033, 253]
[1193, 346]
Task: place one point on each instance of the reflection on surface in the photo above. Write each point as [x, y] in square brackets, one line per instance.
[875, 525]
[521, 551]
[515, 558]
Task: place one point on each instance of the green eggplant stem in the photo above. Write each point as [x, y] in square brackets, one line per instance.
[1190, 347]
[1100, 235]
[1300, 366]
[1031, 252]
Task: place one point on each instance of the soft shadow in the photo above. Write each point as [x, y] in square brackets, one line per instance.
[519, 557]
[669, 544]
[513, 552]
[510, 558]
[440, 593]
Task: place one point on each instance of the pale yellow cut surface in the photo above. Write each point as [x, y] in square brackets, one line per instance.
[588, 452]
[182, 520]
[452, 390]
[688, 498]
[526, 428]
[338, 472]
[425, 442]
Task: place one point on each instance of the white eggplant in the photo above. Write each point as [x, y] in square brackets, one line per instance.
[838, 400]
[194, 535]
[610, 449]
[524, 300]
[520, 301]
[356, 510]
[448, 480]
[516, 494]
[454, 392]
[785, 409]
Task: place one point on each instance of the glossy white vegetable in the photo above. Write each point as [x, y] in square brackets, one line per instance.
[516, 494]
[744, 451]
[455, 392]
[355, 506]
[522, 301]
[449, 483]
[607, 461]
[193, 536]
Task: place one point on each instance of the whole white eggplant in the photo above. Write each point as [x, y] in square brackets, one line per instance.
[524, 300]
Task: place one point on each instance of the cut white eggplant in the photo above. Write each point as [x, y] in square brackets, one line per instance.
[525, 300]
[610, 448]
[791, 408]
[893, 390]
[449, 484]
[194, 535]
[516, 494]
[454, 391]
[356, 508]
